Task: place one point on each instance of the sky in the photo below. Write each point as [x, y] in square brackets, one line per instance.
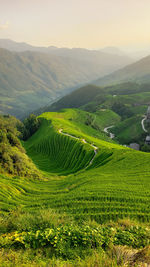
[90, 24]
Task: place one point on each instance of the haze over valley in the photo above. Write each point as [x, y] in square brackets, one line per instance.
[75, 133]
[41, 75]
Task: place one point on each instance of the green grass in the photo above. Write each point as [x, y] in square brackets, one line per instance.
[107, 117]
[70, 200]
[116, 185]
[54, 152]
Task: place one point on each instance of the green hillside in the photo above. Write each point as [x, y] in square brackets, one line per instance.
[129, 131]
[128, 101]
[77, 98]
[115, 185]
[91, 97]
[82, 206]
[30, 80]
[136, 72]
[58, 153]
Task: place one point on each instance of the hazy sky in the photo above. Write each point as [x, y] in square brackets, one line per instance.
[76, 23]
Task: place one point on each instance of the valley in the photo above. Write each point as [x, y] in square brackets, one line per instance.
[40, 76]
[86, 179]
[72, 189]
[88, 188]
[74, 133]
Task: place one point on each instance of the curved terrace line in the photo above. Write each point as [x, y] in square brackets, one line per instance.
[83, 141]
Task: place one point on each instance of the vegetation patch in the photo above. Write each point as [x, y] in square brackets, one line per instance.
[13, 159]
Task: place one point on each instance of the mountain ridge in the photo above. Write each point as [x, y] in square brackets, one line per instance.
[30, 80]
[138, 72]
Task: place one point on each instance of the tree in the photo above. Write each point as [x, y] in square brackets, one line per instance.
[122, 110]
[31, 125]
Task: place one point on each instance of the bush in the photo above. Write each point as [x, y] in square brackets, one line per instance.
[13, 159]
[70, 241]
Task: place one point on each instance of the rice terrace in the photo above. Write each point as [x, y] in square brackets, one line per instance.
[74, 133]
[114, 186]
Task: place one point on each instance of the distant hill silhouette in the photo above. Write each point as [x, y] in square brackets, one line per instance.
[139, 72]
[30, 80]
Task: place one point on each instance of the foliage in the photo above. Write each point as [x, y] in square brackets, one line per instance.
[129, 130]
[70, 241]
[145, 148]
[77, 98]
[135, 236]
[31, 125]
[122, 110]
[116, 185]
[13, 159]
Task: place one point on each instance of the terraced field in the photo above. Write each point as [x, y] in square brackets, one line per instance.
[115, 185]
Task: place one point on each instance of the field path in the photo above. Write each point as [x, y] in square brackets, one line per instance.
[84, 141]
[142, 123]
[111, 135]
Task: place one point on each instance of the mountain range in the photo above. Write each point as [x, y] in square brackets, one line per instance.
[72, 190]
[32, 77]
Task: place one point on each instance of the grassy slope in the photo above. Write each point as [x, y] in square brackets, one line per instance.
[106, 117]
[53, 152]
[117, 184]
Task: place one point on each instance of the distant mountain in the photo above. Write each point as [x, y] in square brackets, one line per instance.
[18, 47]
[113, 50]
[107, 61]
[139, 54]
[33, 77]
[136, 72]
[29, 80]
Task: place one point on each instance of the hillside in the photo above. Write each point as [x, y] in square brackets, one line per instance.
[91, 97]
[30, 80]
[77, 123]
[128, 101]
[77, 98]
[105, 58]
[89, 189]
[108, 188]
[111, 176]
[136, 72]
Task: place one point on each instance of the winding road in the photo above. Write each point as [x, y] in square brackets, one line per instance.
[83, 141]
[142, 123]
[111, 135]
